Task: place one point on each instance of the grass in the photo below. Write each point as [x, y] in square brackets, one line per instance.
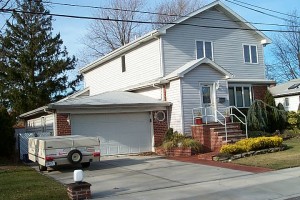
[279, 160]
[22, 182]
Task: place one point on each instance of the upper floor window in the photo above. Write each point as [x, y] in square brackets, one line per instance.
[204, 49]
[250, 54]
[123, 63]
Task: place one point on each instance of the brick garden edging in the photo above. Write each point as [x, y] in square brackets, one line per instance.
[174, 152]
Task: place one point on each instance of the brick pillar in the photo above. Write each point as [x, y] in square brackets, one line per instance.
[79, 191]
[63, 126]
[160, 128]
[259, 91]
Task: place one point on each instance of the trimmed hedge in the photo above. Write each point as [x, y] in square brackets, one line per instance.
[252, 144]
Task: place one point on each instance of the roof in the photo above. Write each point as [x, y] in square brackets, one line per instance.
[181, 71]
[286, 89]
[109, 99]
[253, 81]
[40, 110]
[155, 33]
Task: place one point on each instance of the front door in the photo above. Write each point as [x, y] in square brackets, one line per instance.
[207, 101]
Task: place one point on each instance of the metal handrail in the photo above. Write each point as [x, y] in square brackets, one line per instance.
[197, 112]
[234, 115]
[224, 124]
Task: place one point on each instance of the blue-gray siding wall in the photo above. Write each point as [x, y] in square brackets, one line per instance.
[179, 45]
[191, 95]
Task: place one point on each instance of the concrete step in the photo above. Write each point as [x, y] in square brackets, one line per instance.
[230, 132]
[232, 140]
[229, 127]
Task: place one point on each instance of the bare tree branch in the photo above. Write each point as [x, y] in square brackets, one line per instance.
[286, 52]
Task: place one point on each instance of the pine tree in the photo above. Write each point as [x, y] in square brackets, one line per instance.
[34, 66]
[6, 133]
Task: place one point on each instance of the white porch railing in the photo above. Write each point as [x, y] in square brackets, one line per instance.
[203, 112]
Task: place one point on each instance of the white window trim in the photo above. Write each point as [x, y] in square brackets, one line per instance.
[251, 63]
[242, 86]
[203, 48]
[286, 107]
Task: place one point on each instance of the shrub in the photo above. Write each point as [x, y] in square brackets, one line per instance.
[175, 139]
[293, 119]
[194, 144]
[262, 116]
[252, 144]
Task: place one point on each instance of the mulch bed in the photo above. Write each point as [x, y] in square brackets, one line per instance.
[194, 159]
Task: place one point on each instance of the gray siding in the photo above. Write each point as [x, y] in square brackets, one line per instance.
[191, 94]
[179, 45]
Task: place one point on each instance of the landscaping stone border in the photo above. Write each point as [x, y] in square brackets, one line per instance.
[250, 153]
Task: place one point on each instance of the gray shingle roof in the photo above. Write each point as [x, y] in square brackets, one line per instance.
[283, 89]
[107, 99]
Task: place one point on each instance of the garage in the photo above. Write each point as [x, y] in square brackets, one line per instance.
[122, 120]
[120, 133]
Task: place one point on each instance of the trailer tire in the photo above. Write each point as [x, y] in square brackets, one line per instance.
[42, 168]
[74, 156]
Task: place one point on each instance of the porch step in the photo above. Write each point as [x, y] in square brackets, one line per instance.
[207, 156]
[230, 133]
[232, 139]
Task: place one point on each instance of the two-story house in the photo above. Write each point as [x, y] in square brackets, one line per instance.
[211, 58]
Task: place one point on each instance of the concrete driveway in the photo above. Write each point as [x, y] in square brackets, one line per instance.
[151, 177]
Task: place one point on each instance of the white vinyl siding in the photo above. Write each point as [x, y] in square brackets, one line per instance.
[142, 64]
[155, 93]
[204, 49]
[227, 45]
[293, 102]
[191, 93]
[250, 53]
[40, 124]
[175, 112]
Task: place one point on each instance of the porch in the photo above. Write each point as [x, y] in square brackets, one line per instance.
[213, 129]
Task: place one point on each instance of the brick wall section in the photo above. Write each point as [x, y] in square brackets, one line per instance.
[159, 128]
[63, 127]
[78, 191]
[210, 141]
[259, 91]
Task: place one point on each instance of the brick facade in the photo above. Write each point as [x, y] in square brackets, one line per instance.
[63, 126]
[259, 91]
[159, 128]
[210, 141]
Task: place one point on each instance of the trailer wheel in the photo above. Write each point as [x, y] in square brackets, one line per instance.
[42, 168]
[74, 156]
[85, 164]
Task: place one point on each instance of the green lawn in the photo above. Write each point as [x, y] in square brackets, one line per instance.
[23, 182]
[279, 160]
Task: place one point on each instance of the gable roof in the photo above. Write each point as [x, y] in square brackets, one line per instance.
[181, 71]
[286, 89]
[156, 33]
[222, 7]
[109, 99]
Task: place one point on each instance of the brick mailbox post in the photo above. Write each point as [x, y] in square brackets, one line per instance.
[79, 191]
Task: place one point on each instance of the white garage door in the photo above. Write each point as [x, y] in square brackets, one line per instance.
[118, 133]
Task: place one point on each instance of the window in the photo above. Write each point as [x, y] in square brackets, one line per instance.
[204, 49]
[250, 54]
[123, 64]
[240, 96]
[286, 103]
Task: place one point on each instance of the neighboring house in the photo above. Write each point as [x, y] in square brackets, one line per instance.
[288, 94]
[212, 58]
